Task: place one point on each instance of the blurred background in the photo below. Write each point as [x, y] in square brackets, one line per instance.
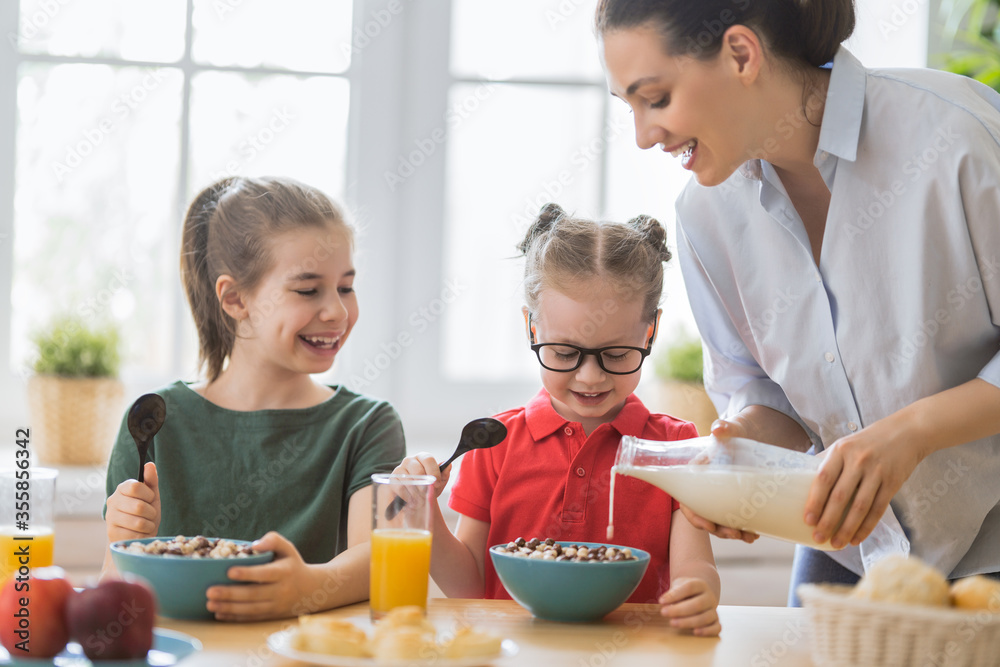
[441, 125]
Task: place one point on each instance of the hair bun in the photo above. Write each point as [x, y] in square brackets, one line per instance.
[547, 218]
[654, 233]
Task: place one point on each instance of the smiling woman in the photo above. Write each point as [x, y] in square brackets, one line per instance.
[786, 132]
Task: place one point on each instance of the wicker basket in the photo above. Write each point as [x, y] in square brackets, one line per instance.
[74, 421]
[849, 632]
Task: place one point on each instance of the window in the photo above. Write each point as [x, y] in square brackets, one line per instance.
[124, 111]
[443, 126]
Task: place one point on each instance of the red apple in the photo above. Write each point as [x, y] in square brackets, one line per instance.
[32, 613]
[113, 621]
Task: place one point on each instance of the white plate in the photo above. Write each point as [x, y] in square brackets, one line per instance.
[280, 642]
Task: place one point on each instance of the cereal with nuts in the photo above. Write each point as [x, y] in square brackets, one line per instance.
[192, 547]
[549, 549]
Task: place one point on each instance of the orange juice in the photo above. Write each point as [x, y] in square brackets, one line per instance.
[39, 549]
[401, 560]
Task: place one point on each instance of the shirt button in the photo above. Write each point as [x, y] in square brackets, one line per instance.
[823, 156]
[829, 357]
[819, 278]
[580, 472]
[852, 426]
[568, 431]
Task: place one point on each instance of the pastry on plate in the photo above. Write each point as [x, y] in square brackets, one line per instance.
[405, 643]
[404, 633]
[469, 643]
[903, 580]
[330, 636]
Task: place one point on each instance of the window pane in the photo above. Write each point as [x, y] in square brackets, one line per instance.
[271, 125]
[649, 182]
[108, 28]
[302, 35]
[95, 204]
[524, 38]
[491, 201]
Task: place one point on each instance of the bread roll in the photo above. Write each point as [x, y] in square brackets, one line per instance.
[404, 633]
[976, 592]
[468, 643]
[317, 634]
[903, 580]
[405, 643]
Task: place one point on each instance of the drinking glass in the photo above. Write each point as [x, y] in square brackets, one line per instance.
[401, 542]
[27, 504]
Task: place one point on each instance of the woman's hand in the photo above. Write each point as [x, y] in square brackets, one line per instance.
[134, 508]
[691, 604]
[859, 475]
[279, 589]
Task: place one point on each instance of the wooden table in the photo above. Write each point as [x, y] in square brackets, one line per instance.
[635, 636]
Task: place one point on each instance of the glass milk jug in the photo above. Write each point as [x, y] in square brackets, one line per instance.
[738, 483]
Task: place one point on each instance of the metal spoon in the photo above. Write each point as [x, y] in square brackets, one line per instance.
[477, 434]
[145, 418]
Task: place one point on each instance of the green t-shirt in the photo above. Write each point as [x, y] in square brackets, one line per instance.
[237, 475]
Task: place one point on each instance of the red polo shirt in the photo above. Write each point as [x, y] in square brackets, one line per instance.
[547, 479]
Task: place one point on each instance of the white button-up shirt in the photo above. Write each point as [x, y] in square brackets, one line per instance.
[905, 302]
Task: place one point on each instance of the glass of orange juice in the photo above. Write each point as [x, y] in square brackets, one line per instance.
[401, 541]
[27, 504]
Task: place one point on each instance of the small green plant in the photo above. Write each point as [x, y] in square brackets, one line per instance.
[681, 361]
[976, 25]
[69, 348]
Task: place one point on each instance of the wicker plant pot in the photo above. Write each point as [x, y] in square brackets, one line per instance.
[688, 401]
[74, 421]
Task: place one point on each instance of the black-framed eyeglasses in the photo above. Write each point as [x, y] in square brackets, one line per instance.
[614, 359]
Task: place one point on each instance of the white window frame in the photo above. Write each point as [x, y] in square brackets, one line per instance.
[400, 79]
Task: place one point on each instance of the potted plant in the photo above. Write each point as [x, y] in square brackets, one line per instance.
[75, 397]
[975, 24]
[681, 389]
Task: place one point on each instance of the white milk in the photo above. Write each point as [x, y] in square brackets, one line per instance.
[766, 502]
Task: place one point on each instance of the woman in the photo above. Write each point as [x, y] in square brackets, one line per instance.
[839, 245]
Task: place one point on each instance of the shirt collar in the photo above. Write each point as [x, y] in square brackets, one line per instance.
[543, 420]
[845, 105]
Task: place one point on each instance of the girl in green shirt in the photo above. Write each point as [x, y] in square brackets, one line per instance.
[258, 449]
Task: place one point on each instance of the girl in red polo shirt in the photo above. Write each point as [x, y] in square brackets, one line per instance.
[592, 291]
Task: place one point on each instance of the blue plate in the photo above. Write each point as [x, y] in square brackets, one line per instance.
[169, 648]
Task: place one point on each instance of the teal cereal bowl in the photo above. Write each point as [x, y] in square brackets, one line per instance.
[569, 591]
[180, 582]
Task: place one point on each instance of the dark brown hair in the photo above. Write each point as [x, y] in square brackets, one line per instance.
[228, 230]
[805, 32]
[564, 252]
